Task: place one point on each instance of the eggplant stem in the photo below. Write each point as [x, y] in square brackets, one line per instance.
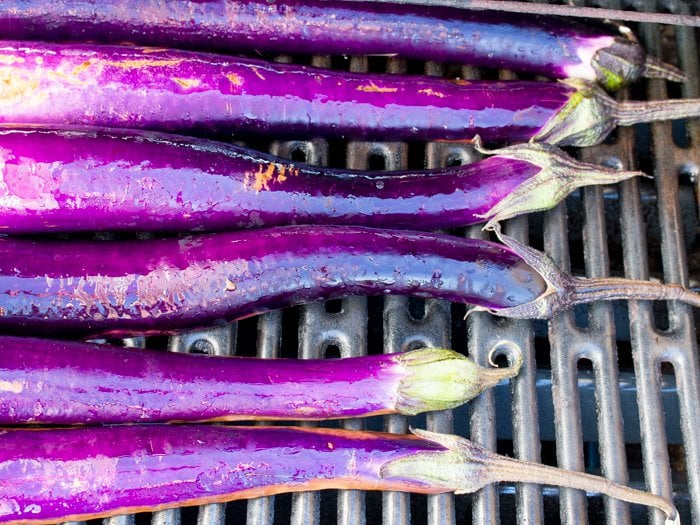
[492, 376]
[586, 290]
[630, 113]
[466, 467]
[501, 468]
[655, 68]
[440, 379]
[564, 290]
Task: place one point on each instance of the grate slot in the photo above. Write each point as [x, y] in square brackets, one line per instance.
[679, 345]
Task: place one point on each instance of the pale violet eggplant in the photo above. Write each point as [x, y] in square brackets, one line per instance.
[67, 383]
[96, 180]
[93, 472]
[551, 46]
[87, 288]
[200, 93]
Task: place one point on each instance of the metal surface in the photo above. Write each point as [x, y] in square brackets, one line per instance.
[571, 390]
[573, 9]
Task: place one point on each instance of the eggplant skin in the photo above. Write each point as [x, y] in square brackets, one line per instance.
[86, 288]
[199, 93]
[97, 180]
[66, 383]
[65, 474]
[550, 46]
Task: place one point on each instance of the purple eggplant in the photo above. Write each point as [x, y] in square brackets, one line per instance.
[93, 288]
[198, 93]
[114, 180]
[55, 475]
[67, 383]
[550, 46]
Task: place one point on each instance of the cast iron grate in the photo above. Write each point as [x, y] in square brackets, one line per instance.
[610, 389]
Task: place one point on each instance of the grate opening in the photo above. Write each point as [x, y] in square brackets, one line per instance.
[289, 337]
[332, 351]
[334, 306]
[377, 160]
[416, 308]
[298, 154]
[247, 332]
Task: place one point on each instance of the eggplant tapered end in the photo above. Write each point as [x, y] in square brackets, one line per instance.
[564, 290]
[441, 379]
[555, 298]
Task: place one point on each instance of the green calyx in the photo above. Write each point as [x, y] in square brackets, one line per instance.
[558, 177]
[609, 79]
[620, 63]
[585, 120]
[461, 467]
[440, 379]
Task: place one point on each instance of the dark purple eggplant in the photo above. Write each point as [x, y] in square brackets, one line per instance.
[160, 286]
[68, 383]
[48, 476]
[114, 180]
[550, 46]
[198, 93]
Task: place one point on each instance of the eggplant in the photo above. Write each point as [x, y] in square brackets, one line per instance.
[68, 181]
[550, 46]
[89, 288]
[47, 476]
[69, 383]
[199, 93]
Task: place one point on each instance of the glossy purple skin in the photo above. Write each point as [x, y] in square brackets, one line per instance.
[54, 475]
[64, 383]
[89, 181]
[543, 45]
[155, 286]
[187, 92]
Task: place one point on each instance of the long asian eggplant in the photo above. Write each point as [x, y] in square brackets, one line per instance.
[550, 46]
[93, 288]
[69, 383]
[199, 93]
[48, 476]
[114, 180]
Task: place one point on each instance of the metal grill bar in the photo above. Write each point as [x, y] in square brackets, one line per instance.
[526, 438]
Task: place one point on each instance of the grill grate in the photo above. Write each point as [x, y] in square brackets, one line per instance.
[585, 366]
